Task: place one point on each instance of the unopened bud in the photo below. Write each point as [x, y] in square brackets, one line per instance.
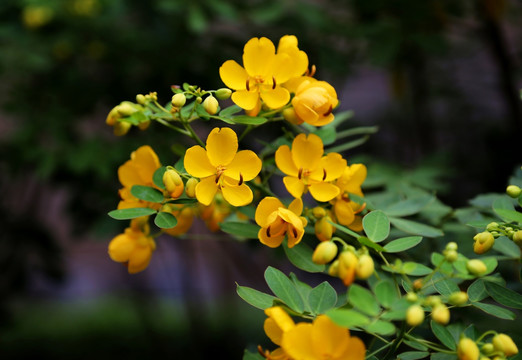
[113, 116]
[325, 252]
[467, 349]
[433, 301]
[418, 284]
[504, 344]
[223, 93]
[144, 125]
[412, 297]
[415, 315]
[365, 267]
[488, 349]
[347, 265]
[517, 237]
[333, 270]
[178, 100]
[290, 116]
[452, 246]
[513, 191]
[476, 267]
[451, 255]
[199, 100]
[190, 187]
[173, 183]
[483, 242]
[318, 212]
[211, 105]
[458, 298]
[323, 229]
[441, 314]
[126, 108]
[140, 99]
[492, 226]
[121, 128]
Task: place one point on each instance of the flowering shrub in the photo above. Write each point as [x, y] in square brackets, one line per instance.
[397, 305]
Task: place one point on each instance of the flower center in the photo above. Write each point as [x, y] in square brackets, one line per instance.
[258, 80]
[220, 169]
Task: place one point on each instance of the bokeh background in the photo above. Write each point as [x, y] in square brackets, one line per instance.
[440, 78]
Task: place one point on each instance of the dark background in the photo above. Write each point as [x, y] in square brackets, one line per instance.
[440, 78]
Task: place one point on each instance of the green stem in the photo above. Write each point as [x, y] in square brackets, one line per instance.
[248, 129]
[170, 126]
[490, 332]
[428, 344]
[378, 350]
[192, 134]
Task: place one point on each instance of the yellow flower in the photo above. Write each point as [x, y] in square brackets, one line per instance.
[348, 263]
[221, 167]
[314, 101]
[215, 213]
[277, 323]
[277, 221]
[349, 183]
[322, 340]
[137, 171]
[134, 247]
[261, 77]
[308, 169]
[185, 216]
[288, 45]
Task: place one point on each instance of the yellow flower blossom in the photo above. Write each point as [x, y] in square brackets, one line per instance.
[134, 247]
[308, 169]
[344, 209]
[215, 213]
[314, 101]
[221, 167]
[137, 171]
[261, 77]
[185, 216]
[322, 340]
[277, 221]
[288, 45]
[277, 323]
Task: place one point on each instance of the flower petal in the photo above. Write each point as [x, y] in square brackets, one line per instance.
[304, 112]
[324, 191]
[245, 99]
[284, 161]
[296, 206]
[297, 342]
[245, 163]
[294, 186]
[258, 57]
[121, 247]
[356, 225]
[221, 146]
[343, 212]
[270, 241]
[197, 164]
[139, 259]
[307, 151]
[206, 190]
[275, 98]
[328, 338]
[146, 160]
[233, 75]
[129, 175]
[333, 166]
[279, 323]
[265, 208]
[237, 195]
[356, 350]
[284, 67]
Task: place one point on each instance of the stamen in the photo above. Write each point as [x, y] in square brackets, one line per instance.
[273, 83]
[240, 179]
[294, 232]
[324, 174]
[300, 173]
[261, 352]
[218, 176]
[312, 73]
[268, 231]
[329, 111]
[248, 84]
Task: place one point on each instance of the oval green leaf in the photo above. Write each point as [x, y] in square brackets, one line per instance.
[165, 220]
[242, 229]
[402, 244]
[496, 311]
[363, 300]
[503, 295]
[301, 256]
[255, 298]
[147, 193]
[347, 318]
[381, 327]
[322, 298]
[386, 293]
[127, 214]
[445, 286]
[443, 335]
[477, 291]
[376, 225]
[249, 120]
[284, 289]
[157, 177]
[415, 228]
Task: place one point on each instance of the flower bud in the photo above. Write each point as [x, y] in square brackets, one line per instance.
[483, 242]
[433, 300]
[415, 315]
[412, 297]
[190, 187]
[178, 100]
[323, 229]
[223, 93]
[441, 314]
[513, 191]
[140, 99]
[318, 212]
[451, 255]
[365, 267]
[504, 343]
[418, 284]
[290, 116]
[476, 267]
[144, 125]
[467, 349]
[121, 128]
[333, 270]
[517, 237]
[488, 349]
[173, 183]
[325, 252]
[492, 226]
[452, 246]
[347, 265]
[458, 298]
[199, 100]
[113, 116]
[126, 108]
[211, 105]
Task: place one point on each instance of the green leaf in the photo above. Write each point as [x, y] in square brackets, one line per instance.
[301, 256]
[494, 310]
[412, 355]
[136, 118]
[386, 293]
[303, 289]
[409, 207]
[327, 134]
[445, 287]
[381, 327]
[363, 240]
[503, 295]
[491, 264]
[507, 247]
[322, 298]
[231, 110]
[284, 289]
[254, 297]
[165, 220]
[415, 228]
[348, 145]
[237, 228]
[415, 269]
[183, 201]
[363, 300]
[443, 335]
[249, 120]
[376, 226]
[440, 261]
[247, 355]
[147, 193]
[127, 214]
[347, 318]
[477, 291]
[443, 356]
[157, 178]
[509, 215]
[402, 244]
[415, 345]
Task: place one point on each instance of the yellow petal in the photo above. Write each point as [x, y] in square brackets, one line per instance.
[147, 161]
[356, 225]
[206, 190]
[266, 207]
[343, 212]
[273, 331]
[304, 112]
[297, 342]
[295, 230]
[270, 241]
[258, 56]
[356, 350]
[245, 99]
[221, 146]
[197, 164]
[246, 163]
[277, 323]
[294, 186]
[233, 75]
[307, 151]
[256, 109]
[275, 98]
[296, 206]
[284, 67]
[129, 175]
[286, 41]
[121, 247]
[324, 191]
[139, 259]
[237, 195]
[333, 165]
[328, 338]
[284, 161]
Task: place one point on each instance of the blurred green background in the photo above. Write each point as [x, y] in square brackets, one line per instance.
[441, 79]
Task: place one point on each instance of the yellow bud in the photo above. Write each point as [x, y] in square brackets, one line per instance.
[476, 267]
[126, 108]
[467, 349]
[517, 237]
[492, 226]
[113, 116]
[325, 252]
[223, 93]
[365, 267]
[333, 270]
[178, 100]
[121, 128]
[488, 349]
[190, 188]
[451, 255]
[144, 125]
[173, 183]
[504, 343]
[199, 99]
[412, 297]
[211, 105]
[415, 315]
[323, 229]
[458, 298]
[433, 301]
[483, 242]
[347, 265]
[318, 212]
[140, 99]
[452, 246]
[441, 314]
[513, 191]
[290, 116]
[418, 284]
